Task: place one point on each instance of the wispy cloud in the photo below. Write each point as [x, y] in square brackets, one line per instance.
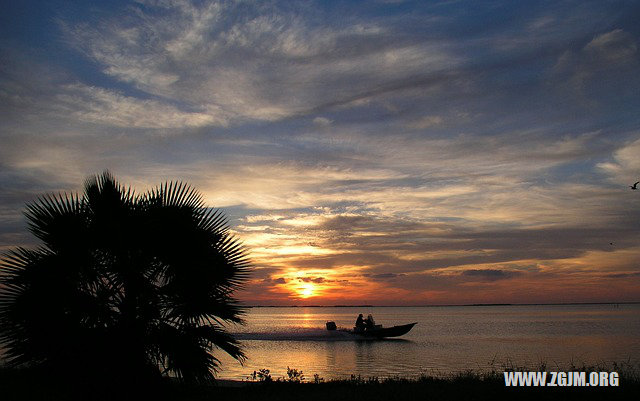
[101, 106]
[614, 52]
[265, 64]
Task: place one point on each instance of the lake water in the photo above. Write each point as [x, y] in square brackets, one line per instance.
[445, 340]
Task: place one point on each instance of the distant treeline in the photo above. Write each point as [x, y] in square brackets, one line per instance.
[439, 306]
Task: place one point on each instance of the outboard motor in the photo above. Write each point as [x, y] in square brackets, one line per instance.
[331, 326]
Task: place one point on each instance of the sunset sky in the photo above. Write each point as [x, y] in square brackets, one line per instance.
[378, 152]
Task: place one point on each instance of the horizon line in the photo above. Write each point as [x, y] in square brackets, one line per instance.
[442, 305]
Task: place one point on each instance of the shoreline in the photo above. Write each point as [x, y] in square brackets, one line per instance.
[28, 385]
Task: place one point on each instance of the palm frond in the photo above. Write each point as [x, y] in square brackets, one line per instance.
[54, 217]
[176, 193]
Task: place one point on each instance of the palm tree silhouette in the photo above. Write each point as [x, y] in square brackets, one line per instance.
[124, 285]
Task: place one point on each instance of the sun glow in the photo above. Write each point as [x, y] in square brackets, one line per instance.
[306, 290]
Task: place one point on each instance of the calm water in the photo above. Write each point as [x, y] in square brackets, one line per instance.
[446, 339]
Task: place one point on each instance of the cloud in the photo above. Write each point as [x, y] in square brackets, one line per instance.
[614, 52]
[382, 276]
[279, 280]
[426, 122]
[322, 121]
[624, 168]
[489, 274]
[311, 279]
[623, 275]
[266, 65]
[615, 47]
[101, 106]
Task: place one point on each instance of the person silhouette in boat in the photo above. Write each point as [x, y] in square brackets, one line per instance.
[369, 323]
[360, 324]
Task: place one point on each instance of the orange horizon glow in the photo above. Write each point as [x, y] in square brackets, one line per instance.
[553, 281]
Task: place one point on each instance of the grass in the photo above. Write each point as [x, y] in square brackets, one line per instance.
[24, 384]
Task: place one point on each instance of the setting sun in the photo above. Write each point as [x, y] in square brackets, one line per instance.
[306, 290]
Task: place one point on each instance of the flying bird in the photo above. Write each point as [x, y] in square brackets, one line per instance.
[634, 186]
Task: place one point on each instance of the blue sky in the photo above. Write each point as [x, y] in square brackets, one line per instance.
[378, 152]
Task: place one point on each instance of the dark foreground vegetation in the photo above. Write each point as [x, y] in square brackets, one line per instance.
[26, 384]
[125, 285]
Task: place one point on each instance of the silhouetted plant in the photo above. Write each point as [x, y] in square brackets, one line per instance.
[124, 285]
[262, 375]
[295, 375]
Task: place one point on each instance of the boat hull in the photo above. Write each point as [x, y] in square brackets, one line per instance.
[385, 332]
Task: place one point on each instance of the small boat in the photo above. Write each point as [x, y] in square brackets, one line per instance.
[377, 331]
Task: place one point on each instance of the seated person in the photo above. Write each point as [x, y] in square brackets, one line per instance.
[360, 324]
[369, 323]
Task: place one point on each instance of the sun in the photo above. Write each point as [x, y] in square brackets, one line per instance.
[306, 290]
